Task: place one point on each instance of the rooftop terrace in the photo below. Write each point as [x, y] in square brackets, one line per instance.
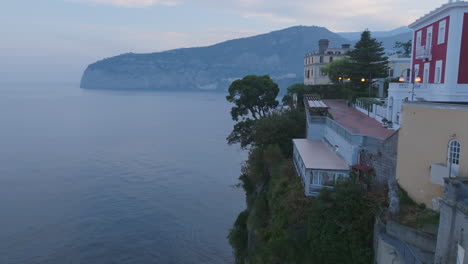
[355, 121]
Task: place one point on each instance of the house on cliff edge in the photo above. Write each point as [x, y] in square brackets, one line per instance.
[337, 138]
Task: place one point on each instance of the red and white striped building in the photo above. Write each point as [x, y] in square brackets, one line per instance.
[439, 60]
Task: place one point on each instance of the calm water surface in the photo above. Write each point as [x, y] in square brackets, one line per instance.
[115, 177]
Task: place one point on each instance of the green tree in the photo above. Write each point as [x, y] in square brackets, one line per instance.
[368, 62]
[277, 128]
[405, 46]
[341, 224]
[339, 69]
[253, 96]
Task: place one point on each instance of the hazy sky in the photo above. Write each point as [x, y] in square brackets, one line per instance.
[54, 40]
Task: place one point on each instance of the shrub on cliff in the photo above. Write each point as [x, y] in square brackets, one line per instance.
[341, 224]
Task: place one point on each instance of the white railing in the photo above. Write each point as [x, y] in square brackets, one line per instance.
[405, 86]
[424, 52]
[375, 111]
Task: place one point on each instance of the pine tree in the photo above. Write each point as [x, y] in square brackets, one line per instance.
[368, 61]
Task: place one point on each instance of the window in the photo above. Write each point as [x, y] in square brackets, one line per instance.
[418, 39]
[441, 35]
[321, 59]
[390, 73]
[331, 59]
[338, 53]
[316, 178]
[427, 65]
[416, 71]
[438, 72]
[453, 157]
[429, 38]
[454, 152]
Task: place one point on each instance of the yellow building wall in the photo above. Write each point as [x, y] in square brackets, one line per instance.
[423, 140]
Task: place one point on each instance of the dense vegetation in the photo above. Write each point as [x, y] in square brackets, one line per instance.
[281, 225]
[365, 63]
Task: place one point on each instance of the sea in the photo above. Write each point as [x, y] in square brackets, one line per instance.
[90, 176]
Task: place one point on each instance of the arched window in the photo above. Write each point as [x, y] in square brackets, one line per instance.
[453, 158]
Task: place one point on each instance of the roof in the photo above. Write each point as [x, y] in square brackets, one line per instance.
[462, 106]
[316, 155]
[313, 101]
[355, 121]
[438, 11]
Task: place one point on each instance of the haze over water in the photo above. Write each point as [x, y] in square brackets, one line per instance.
[116, 177]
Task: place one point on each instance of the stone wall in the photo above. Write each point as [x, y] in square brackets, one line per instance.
[452, 240]
[383, 161]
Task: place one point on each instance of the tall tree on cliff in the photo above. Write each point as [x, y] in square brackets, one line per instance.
[368, 62]
[254, 98]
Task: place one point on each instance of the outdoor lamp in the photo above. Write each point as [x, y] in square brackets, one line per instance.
[401, 79]
[418, 79]
[363, 79]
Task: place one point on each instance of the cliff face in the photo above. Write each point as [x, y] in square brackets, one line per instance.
[279, 54]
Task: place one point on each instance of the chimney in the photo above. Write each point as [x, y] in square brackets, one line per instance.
[345, 46]
[323, 45]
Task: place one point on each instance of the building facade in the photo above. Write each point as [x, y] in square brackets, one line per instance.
[452, 237]
[337, 135]
[439, 60]
[432, 146]
[314, 61]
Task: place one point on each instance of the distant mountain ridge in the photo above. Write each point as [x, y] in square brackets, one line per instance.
[279, 54]
[355, 36]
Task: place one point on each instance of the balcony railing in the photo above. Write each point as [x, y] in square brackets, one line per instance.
[374, 110]
[424, 52]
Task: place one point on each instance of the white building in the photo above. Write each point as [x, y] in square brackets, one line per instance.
[439, 61]
[314, 61]
[336, 135]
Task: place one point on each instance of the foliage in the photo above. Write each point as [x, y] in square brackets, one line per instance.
[368, 61]
[238, 237]
[277, 128]
[253, 96]
[338, 69]
[413, 214]
[405, 47]
[287, 227]
[367, 100]
[280, 129]
[340, 228]
[329, 91]
[242, 133]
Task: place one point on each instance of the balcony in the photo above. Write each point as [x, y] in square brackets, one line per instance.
[424, 52]
[373, 107]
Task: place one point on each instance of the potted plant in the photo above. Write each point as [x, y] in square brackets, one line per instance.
[384, 122]
[389, 124]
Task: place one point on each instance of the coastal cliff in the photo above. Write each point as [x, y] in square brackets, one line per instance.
[278, 54]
